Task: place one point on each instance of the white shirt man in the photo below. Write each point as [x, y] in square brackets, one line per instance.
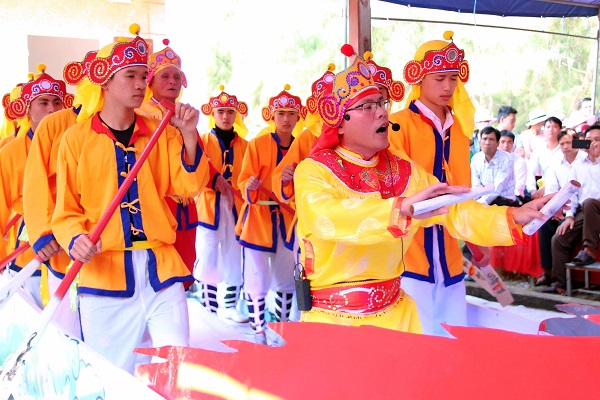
[495, 166]
[507, 141]
[543, 157]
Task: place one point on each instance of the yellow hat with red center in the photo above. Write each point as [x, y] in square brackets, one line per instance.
[226, 101]
[382, 76]
[439, 56]
[9, 125]
[39, 85]
[162, 59]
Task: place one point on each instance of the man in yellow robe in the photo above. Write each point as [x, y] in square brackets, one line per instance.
[435, 129]
[354, 199]
[133, 277]
[38, 98]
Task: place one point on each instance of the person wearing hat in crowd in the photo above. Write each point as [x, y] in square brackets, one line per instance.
[533, 137]
[218, 267]
[354, 202]
[10, 126]
[435, 129]
[39, 190]
[40, 97]
[268, 259]
[133, 278]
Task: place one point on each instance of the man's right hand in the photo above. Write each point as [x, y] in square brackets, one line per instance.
[253, 183]
[83, 249]
[226, 190]
[49, 250]
[567, 224]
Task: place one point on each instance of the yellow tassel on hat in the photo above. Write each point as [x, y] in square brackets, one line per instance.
[41, 68]
[448, 35]
[134, 29]
[330, 67]
[30, 76]
[221, 87]
[286, 87]
[368, 56]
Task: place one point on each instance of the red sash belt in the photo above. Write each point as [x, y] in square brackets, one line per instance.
[359, 298]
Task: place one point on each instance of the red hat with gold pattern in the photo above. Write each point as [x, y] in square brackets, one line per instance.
[318, 87]
[336, 92]
[437, 56]
[75, 71]
[284, 101]
[120, 55]
[162, 59]
[42, 84]
[7, 98]
[383, 77]
[224, 100]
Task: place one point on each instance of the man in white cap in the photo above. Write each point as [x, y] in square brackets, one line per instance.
[533, 137]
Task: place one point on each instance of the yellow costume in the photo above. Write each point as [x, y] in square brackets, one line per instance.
[448, 161]
[39, 187]
[82, 198]
[260, 216]
[341, 252]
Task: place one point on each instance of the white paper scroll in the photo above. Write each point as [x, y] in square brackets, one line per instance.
[450, 199]
[552, 206]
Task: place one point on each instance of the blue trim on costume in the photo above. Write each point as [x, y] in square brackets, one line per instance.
[129, 282]
[77, 110]
[57, 274]
[71, 245]
[153, 274]
[178, 216]
[14, 267]
[124, 212]
[30, 134]
[213, 183]
[215, 226]
[193, 167]
[42, 241]
[132, 195]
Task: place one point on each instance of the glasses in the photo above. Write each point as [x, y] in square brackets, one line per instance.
[371, 106]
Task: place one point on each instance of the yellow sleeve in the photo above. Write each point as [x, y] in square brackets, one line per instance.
[186, 180]
[325, 212]
[250, 167]
[9, 186]
[68, 219]
[38, 200]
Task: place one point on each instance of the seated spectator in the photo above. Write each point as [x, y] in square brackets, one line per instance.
[544, 156]
[483, 118]
[583, 219]
[556, 178]
[507, 118]
[507, 141]
[495, 166]
[533, 137]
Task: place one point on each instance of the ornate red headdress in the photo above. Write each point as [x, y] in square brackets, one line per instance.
[383, 77]
[437, 56]
[75, 71]
[164, 58]
[38, 86]
[224, 100]
[122, 54]
[7, 98]
[284, 101]
[318, 87]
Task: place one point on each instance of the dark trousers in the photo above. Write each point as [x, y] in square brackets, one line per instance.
[545, 240]
[587, 227]
[503, 201]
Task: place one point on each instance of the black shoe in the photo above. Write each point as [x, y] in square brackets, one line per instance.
[583, 258]
[544, 280]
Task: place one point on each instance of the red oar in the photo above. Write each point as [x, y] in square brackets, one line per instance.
[16, 253]
[12, 221]
[50, 309]
[276, 200]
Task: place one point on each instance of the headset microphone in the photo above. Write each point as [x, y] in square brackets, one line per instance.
[347, 118]
[395, 127]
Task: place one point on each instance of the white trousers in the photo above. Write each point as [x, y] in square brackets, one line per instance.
[218, 253]
[264, 270]
[66, 318]
[437, 303]
[31, 288]
[114, 326]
